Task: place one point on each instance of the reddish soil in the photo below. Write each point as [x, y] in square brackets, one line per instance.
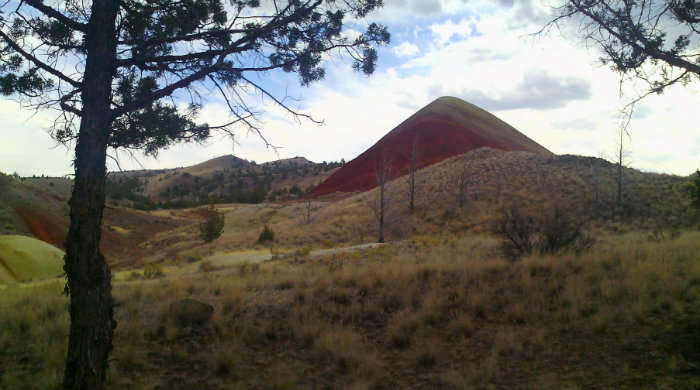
[443, 129]
[42, 227]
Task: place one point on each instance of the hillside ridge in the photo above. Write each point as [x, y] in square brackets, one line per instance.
[446, 127]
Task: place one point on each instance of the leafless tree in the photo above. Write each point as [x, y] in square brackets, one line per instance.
[382, 200]
[461, 180]
[596, 186]
[413, 158]
[307, 215]
[622, 151]
[500, 182]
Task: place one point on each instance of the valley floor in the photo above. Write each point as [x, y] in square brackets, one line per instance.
[422, 313]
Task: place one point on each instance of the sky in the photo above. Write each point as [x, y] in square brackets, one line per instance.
[552, 88]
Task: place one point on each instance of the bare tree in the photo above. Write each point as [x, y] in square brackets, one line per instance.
[413, 157]
[382, 200]
[307, 211]
[622, 151]
[596, 186]
[461, 180]
[500, 182]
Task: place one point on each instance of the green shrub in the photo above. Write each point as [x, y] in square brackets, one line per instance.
[213, 225]
[266, 235]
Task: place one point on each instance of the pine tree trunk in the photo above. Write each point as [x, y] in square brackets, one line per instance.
[91, 307]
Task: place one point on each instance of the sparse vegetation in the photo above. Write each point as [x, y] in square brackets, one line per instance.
[436, 316]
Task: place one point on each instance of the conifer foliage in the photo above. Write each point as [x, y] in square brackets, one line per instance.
[213, 224]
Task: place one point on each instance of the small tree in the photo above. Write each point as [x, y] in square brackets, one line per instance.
[461, 179]
[622, 152]
[213, 225]
[266, 235]
[307, 214]
[412, 166]
[382, 200]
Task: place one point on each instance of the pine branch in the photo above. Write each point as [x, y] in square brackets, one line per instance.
[38, 63]
[55, 14]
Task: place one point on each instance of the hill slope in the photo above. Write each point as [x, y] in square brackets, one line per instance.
[224, 179]
[28, 210]
[446, 127]
[25, 258]
[535, 183]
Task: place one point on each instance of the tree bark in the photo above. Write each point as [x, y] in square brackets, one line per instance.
[88, 275]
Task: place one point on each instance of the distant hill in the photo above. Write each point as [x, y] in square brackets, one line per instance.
[27, 209]
[219, 163]
[30, 210]
[224, 179]
[444, 128]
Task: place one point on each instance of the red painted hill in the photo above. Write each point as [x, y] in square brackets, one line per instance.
[444, 128]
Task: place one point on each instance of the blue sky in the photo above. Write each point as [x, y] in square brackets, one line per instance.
[552, 89]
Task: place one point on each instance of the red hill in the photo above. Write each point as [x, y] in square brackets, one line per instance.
[444, 128]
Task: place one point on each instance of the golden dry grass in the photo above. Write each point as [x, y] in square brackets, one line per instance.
[416, 315]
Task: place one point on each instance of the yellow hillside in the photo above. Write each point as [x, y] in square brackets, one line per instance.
[25, 259]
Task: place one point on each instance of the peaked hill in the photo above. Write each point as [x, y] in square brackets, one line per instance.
[444, 128]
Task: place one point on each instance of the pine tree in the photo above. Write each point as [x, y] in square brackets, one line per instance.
[117, 69]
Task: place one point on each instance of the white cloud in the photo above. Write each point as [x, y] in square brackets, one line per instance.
[406, 49]
[445, 31]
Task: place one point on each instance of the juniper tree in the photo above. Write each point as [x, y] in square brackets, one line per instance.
[213, 225]
[119, 71]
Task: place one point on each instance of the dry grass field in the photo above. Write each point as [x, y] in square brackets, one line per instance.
[423, 313]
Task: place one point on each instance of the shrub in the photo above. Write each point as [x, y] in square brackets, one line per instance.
[266, 235]
[152, 271]
[559, 231]
[515, 230]
[552, 232]
[213, 225]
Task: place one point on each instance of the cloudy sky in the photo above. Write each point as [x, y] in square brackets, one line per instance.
[551, 88]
